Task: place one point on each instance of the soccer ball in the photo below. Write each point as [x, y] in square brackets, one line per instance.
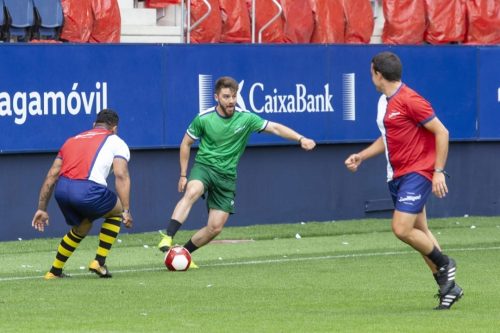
[177, 258]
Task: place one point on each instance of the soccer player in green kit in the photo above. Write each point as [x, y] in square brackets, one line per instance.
[223, 132]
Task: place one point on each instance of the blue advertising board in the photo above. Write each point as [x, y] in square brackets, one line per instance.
[489, 93]
[323, 91]
[50, 92]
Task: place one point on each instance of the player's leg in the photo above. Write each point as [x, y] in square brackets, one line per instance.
[421, 224]
[403, 226]
[69, 243]
[194, 190]
[447, 299]
[110, 229]
[199, 179]
[410, 196]
[216, 221]
[220, 203]
[80, 228]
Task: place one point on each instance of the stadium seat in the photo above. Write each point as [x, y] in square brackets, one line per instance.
[21, 19]
[49, 17]
[3, 21]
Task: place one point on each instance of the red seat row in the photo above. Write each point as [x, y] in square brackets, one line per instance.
[92, 21]
[350, 21]
[316, 21]
[441, 21]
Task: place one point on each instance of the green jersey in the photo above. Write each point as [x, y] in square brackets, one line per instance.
[223, 140]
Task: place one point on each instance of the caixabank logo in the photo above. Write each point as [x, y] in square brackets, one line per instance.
[263, 98]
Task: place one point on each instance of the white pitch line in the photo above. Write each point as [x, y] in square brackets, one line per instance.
[268, 261]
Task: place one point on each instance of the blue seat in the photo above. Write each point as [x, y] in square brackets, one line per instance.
[50, 18]
[3, 21]
[21, 19]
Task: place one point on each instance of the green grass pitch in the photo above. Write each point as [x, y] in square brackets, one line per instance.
[351, 276]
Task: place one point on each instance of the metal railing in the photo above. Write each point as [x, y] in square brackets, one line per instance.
[186, 16]
[187, 33]
[265, 26]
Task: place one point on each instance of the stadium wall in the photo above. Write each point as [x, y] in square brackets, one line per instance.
[322, 91]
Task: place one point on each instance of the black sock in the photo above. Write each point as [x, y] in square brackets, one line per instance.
[190, 246]
[435, 275]
[438, 258]
[173, 227]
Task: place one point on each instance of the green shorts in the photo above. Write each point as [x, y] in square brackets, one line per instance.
[220, 190]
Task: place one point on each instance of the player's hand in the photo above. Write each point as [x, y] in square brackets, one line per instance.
[307, 144]
[40, 220]
[439, 187]
[181, 186]
[353, 162]
[127, 219]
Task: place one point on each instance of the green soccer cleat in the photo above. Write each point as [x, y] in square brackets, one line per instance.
[102, 271]
[192, 265]
[165, 243]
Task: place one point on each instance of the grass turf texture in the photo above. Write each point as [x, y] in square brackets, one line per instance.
[352, 276]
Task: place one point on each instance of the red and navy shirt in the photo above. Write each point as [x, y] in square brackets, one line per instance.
[409, 146]
[89, 155]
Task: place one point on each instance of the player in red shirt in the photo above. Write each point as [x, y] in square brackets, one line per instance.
[415, 143]
[78, 176]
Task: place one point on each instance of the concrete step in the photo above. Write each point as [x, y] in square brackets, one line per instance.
[150, 34]
[156, 30]
[138, 16]
[126, 4]
[150, 39]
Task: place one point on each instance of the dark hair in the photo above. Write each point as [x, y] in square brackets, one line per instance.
[389, 65]
[108, 117]
[226, 82]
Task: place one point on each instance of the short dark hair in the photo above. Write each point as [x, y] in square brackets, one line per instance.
[226, 82]
[108, 117]
[389, 65]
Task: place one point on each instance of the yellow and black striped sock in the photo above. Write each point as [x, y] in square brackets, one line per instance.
[109, 231]
[68, 245]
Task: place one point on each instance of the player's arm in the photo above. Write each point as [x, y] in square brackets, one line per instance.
[41, 218]
[289, 134]
[122, 186]
[354, 161]
[435, 126]
[184, 154]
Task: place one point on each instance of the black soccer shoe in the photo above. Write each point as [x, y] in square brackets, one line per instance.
[447, 300]
[446, 277]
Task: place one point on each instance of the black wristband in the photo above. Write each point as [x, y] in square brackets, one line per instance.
[443, 171]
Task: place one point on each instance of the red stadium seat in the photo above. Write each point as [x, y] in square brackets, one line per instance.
[359, 21]
[484, 22]
[265, 11]
[329, 21]
[78, 20]
[236, 26]
[209, 30]
[160, 3]
[404, 21]
[446, 21]
[299, 21]
[107, 22]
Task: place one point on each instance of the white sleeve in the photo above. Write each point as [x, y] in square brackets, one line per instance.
[120, 148]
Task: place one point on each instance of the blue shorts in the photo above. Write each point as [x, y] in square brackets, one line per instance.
[83, 199]
[410, 192]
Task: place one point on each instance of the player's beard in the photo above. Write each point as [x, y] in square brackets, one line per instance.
[225, 111]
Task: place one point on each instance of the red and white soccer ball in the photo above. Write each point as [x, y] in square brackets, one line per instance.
[177, 258]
